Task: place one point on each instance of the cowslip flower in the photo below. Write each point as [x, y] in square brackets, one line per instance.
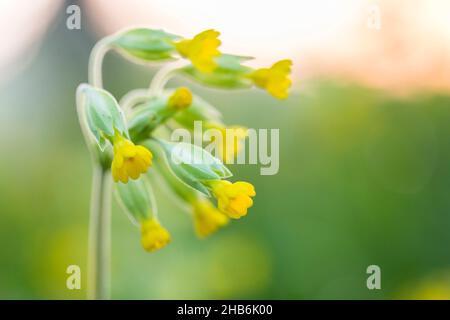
[233, 199]
[201, 50]
[129, 159]
[274, 79]
[154, 236]
[231, 141]
[180, 99]
[207, 218]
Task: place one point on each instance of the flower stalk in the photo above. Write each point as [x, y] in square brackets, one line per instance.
[99, 259]
[96, 61]
[99, 242]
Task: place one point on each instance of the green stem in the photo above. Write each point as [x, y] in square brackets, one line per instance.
[100, 235]
[163, 76]
[96, 60]
[99, 251]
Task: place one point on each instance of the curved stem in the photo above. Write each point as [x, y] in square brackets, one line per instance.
[99, 250]
[132, 98]
[96, 61]
[100, 235]
[163, 76]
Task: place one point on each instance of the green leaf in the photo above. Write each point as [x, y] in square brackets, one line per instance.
[103, 114]
[229, 74]
[137, 199]
[146, 44]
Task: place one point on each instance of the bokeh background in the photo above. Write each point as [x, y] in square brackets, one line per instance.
[364, 153]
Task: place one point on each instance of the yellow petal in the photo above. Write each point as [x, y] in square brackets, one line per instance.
[207, 219]
[246, 188]
[283, 65]
[154, 236]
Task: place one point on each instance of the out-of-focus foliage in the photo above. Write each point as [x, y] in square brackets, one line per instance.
[364, 179]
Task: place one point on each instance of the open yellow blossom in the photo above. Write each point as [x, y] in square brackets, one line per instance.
[274, 79]
[129, 160]
[233, 198]
[207, 218]
[180, 99]
[201, 50]
[154, 236]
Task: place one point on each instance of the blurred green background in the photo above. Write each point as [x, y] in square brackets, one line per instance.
[364, 179]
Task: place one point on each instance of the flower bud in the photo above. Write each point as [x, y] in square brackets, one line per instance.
[145, 44]
[180, 99]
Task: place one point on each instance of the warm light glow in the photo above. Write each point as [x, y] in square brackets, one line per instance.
[21, 26]
[268, 30]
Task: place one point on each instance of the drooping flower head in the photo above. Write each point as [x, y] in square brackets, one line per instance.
[180, 99]
[201, 50]
[154, 236]
[274, 79]
[207, 218]
[233, 199]
[129, 160]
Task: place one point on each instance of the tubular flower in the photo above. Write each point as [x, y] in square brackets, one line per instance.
[129, 160]
[207, 218]
[274, 79]
[233, 198]
[154, 236]
[201, 50]
[232, 139]
[180, 99]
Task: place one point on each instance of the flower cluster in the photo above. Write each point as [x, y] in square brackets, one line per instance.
[125, 141]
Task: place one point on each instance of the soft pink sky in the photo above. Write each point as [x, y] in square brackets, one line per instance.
[411, 50]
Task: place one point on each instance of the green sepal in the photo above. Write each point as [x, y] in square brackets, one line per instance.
[193, 164]
[136, 199]
[199, 110]
[103, 115]
[146, 44]
[183, 185]
[229, 73]
[147, 116]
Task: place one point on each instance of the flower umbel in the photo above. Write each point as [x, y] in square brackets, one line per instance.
[154, 236]
[274, 79]
[201, 50]
[129, 160]
[144, 120]
[207, 218]
[180, 99]
[233, 198]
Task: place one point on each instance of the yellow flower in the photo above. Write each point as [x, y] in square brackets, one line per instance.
[228, 150]
[154, 236]
[207, 219]
[201, 50]
[274, 79]
[129, 160]
[180, 99]
[233, 198]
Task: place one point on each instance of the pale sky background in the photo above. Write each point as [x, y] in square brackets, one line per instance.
[411, 50]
